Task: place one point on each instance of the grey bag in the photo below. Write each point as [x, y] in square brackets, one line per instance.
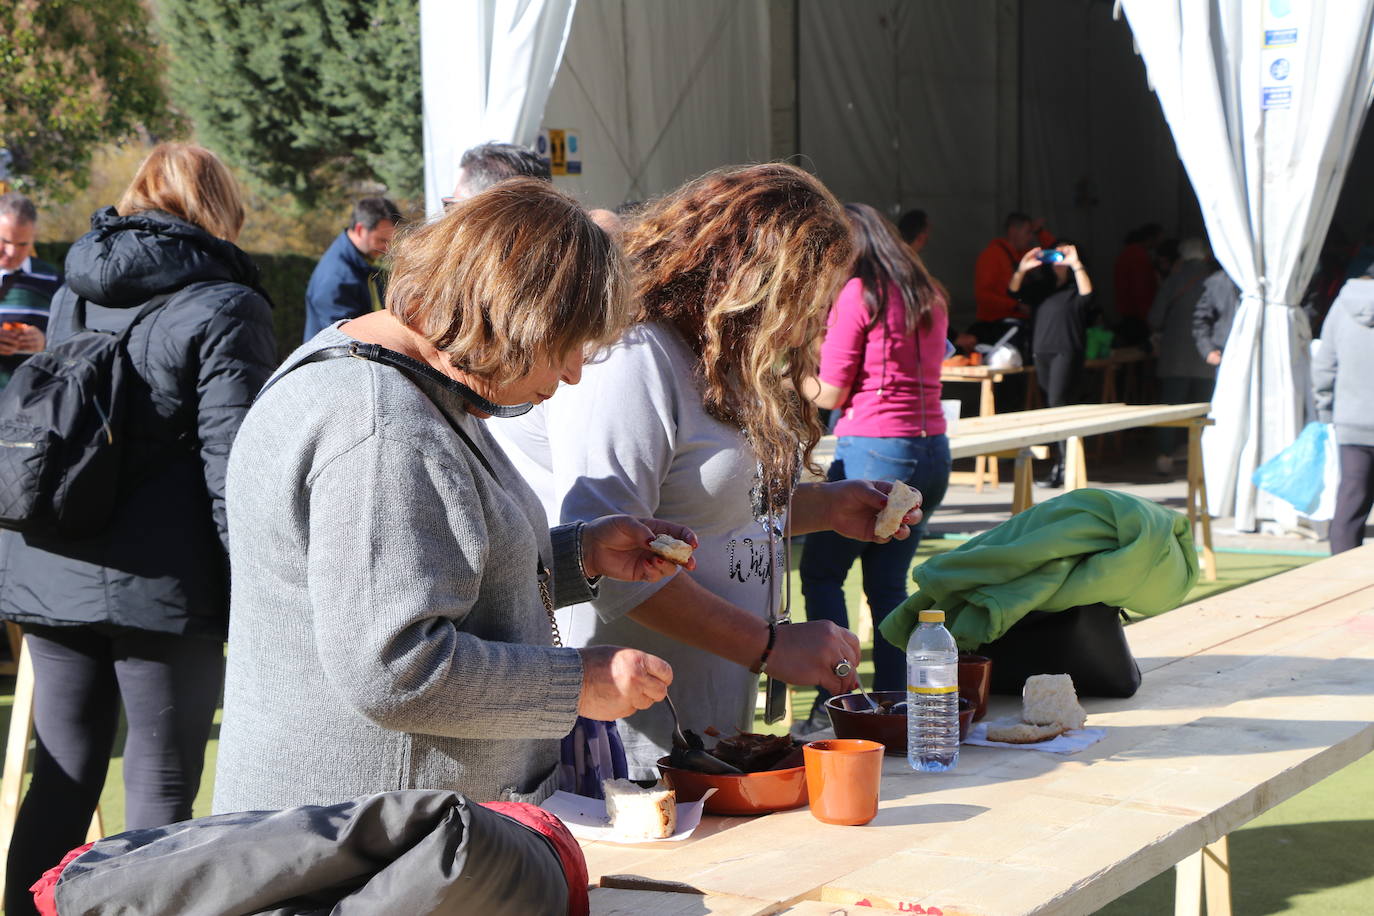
[414, 852]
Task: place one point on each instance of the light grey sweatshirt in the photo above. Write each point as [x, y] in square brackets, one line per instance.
[1343, 370]
[386, 630]
[634, 437]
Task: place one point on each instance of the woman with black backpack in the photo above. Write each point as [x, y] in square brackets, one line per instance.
[136, 612]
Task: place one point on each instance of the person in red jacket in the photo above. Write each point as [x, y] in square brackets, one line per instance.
[994, 267]
[1135, 282]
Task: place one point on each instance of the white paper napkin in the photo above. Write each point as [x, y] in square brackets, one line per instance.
[1070, 742]
[586, 818]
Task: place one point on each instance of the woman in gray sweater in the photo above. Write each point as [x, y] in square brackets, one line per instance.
[390, 624]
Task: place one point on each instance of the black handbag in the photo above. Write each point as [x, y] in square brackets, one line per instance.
[1086, 642]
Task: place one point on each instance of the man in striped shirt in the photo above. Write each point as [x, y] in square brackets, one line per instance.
[27, 284]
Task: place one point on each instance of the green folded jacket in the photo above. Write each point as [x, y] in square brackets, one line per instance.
[1082, 547]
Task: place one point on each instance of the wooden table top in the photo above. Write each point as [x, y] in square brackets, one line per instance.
[1248, 697]
[978, 373]
[1119, 357]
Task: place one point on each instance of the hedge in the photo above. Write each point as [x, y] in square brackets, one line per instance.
[284, 277]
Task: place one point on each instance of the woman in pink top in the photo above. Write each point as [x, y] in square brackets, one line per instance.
[880, 366]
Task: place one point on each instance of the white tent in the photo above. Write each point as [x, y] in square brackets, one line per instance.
[968, 109]
[965, 108]
[1266, 102]
[486, 68]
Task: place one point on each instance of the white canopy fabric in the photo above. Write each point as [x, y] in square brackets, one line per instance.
[486, 67]
[1266, 102]
[662, 91]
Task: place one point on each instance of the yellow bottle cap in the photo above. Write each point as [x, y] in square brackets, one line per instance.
[931, 616]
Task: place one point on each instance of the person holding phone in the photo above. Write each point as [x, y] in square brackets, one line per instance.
[1055, 285]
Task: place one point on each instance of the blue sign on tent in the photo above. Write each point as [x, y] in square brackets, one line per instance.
[1276, 97]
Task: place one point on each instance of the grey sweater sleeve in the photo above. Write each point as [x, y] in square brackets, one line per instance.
[1324, 366]
[570, 585]
[1205, 318]
[397, 559]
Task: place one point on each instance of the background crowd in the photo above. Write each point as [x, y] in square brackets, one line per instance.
[439, 570]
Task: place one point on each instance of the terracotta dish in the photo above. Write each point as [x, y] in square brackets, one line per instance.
[751, 793]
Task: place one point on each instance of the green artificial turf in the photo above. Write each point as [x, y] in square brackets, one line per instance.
[1310, 855]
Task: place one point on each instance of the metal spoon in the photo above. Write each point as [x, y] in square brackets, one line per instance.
[864, 693]
[679, 739]
[695, 758]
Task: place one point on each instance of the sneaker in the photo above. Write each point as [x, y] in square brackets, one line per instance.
[812, 725]
[1164, 464]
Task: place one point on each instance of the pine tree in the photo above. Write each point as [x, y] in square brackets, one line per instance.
[76, 74]
[303, 94]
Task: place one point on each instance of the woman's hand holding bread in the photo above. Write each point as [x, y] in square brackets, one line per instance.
[854, 505]
[618, 546]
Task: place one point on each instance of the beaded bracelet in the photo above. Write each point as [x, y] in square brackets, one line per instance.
[768, 649]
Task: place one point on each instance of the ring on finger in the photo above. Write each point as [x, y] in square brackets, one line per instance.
[842, 668]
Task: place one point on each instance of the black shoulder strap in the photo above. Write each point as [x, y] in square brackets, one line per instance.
[414, 368]
[75, 322]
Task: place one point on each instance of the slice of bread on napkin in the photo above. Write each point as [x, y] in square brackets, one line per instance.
[1049, 699]
[1024, 733]
[637, 812]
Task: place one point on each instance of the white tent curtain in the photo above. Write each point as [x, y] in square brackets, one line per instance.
[1266, 101]
[486, 67]
[662, 91]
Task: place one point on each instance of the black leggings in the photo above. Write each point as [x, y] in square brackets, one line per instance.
[1060, 375]
[169, 685]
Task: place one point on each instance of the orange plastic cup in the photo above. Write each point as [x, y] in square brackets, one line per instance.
[842, 778]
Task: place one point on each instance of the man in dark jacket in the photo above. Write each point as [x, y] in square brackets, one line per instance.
[27, 285]
[1213, 314]
[347, 283]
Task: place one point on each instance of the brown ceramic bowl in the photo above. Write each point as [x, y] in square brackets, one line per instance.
[849, 716]
[752, 793]
[975, 681]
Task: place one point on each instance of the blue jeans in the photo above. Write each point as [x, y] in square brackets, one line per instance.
[919, 462]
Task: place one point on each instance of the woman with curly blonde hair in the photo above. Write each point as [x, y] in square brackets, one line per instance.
[693, 417]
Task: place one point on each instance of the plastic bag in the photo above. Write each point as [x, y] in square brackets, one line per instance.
[1326, 506]
[1005, 356]
[1297, 475]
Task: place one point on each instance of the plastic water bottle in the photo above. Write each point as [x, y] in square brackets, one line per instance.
[932, 696]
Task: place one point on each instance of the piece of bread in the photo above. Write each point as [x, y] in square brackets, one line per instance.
[1050, 699]
[637, 812]
[899, 502]
[671, 549]
[1024, 733]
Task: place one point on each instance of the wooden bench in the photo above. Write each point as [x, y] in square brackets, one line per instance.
[1248, 698]
[984, 468]
[1019, 435]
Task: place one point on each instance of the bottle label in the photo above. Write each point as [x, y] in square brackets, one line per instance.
[935, 679]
